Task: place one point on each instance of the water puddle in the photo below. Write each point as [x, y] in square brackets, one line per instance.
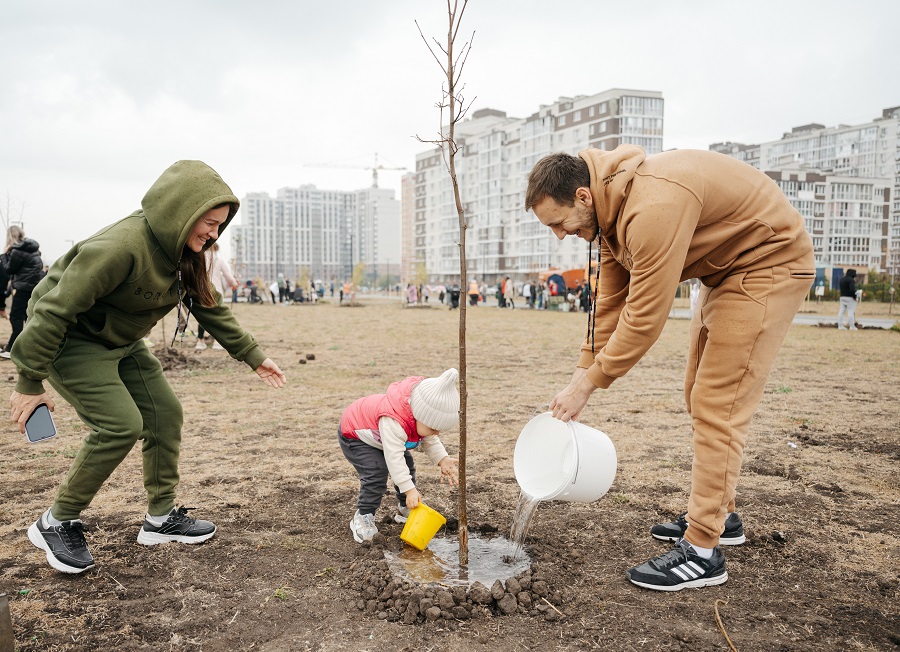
[489, 560]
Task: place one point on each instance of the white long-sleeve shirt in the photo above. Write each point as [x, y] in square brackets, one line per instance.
[219, 272]
[391, 438]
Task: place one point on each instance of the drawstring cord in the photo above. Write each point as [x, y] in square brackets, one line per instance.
[187, 312]
[592, 294]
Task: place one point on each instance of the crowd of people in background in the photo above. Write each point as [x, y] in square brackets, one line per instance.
[280, 291]
[534, 294]
[531, 294]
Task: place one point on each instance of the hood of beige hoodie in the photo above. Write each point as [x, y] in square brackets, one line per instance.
[611, 175]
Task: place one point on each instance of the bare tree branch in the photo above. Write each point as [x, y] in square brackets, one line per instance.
[466, 49]
[440, 46]
[428, 46]
[458, 20]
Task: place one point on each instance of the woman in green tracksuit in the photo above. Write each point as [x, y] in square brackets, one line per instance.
[86, 323]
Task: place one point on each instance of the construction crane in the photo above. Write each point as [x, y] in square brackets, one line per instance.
[375, 167]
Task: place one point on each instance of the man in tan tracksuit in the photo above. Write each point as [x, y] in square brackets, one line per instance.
[660, 220]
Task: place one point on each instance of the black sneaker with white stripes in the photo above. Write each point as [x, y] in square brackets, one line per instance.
[680, 568]
[732, 536]
[177, 527]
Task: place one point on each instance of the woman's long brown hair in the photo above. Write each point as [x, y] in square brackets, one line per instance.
[195, 272]
[195, 277]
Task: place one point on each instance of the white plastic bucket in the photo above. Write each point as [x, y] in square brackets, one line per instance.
[563, 461]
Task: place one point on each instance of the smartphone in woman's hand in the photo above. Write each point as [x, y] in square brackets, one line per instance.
[40, 424]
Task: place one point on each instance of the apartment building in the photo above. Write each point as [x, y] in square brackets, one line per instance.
[496, 153]
[854, 217]
[322, 234]
[407, 215]
[846, 217]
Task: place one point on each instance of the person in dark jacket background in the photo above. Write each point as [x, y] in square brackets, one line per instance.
[21, 265]
[848, 300]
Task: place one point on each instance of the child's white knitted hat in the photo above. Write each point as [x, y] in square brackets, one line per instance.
[435, 401]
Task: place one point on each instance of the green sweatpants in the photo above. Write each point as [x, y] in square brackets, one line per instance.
[122, 396]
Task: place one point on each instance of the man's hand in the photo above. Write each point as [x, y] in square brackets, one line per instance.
[271, 374]
[22, 405]
[569, 403]
[449, 471]
[412, 498]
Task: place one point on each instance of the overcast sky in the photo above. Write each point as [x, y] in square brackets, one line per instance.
[97, 98]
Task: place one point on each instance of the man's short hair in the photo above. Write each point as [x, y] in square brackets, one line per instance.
[558, 176]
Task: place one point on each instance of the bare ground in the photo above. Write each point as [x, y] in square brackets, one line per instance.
[818, 495]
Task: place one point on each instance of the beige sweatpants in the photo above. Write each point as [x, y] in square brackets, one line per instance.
[735, 335]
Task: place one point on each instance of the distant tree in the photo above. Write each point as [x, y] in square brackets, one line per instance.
[421, 274]
[302, 281]
[877, 286]
[359, 276]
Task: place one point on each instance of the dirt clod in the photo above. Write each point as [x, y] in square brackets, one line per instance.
[508, 604]
[480, 594]
[171, 358]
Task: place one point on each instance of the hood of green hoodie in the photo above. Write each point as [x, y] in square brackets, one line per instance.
[174, 203]
[611, 175]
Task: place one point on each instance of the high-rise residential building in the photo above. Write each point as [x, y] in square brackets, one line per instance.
[844, 215]
[407, 239]
[496, 153]
[320, 234]
[375, 233]
[851, 179]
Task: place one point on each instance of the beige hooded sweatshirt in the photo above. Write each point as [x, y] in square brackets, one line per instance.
[671, 217]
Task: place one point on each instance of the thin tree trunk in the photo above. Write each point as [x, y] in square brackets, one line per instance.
[457, 108]
[463, 290]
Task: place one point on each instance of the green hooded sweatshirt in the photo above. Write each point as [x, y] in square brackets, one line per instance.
[115, 286]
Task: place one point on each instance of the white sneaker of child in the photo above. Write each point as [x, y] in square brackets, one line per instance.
[402, 513]
[363, 527]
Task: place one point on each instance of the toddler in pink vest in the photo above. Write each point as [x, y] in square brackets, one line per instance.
[377, 435]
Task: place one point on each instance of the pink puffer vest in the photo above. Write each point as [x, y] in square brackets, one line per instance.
[364, 413]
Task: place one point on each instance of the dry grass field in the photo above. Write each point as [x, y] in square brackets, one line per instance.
[819, 497]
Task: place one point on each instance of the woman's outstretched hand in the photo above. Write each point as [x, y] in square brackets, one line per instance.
[22, 405]
[271, 374]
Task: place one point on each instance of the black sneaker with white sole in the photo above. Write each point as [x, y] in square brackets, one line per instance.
[177, 527]
[732, 536]
[680, 568]
[64, 544]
